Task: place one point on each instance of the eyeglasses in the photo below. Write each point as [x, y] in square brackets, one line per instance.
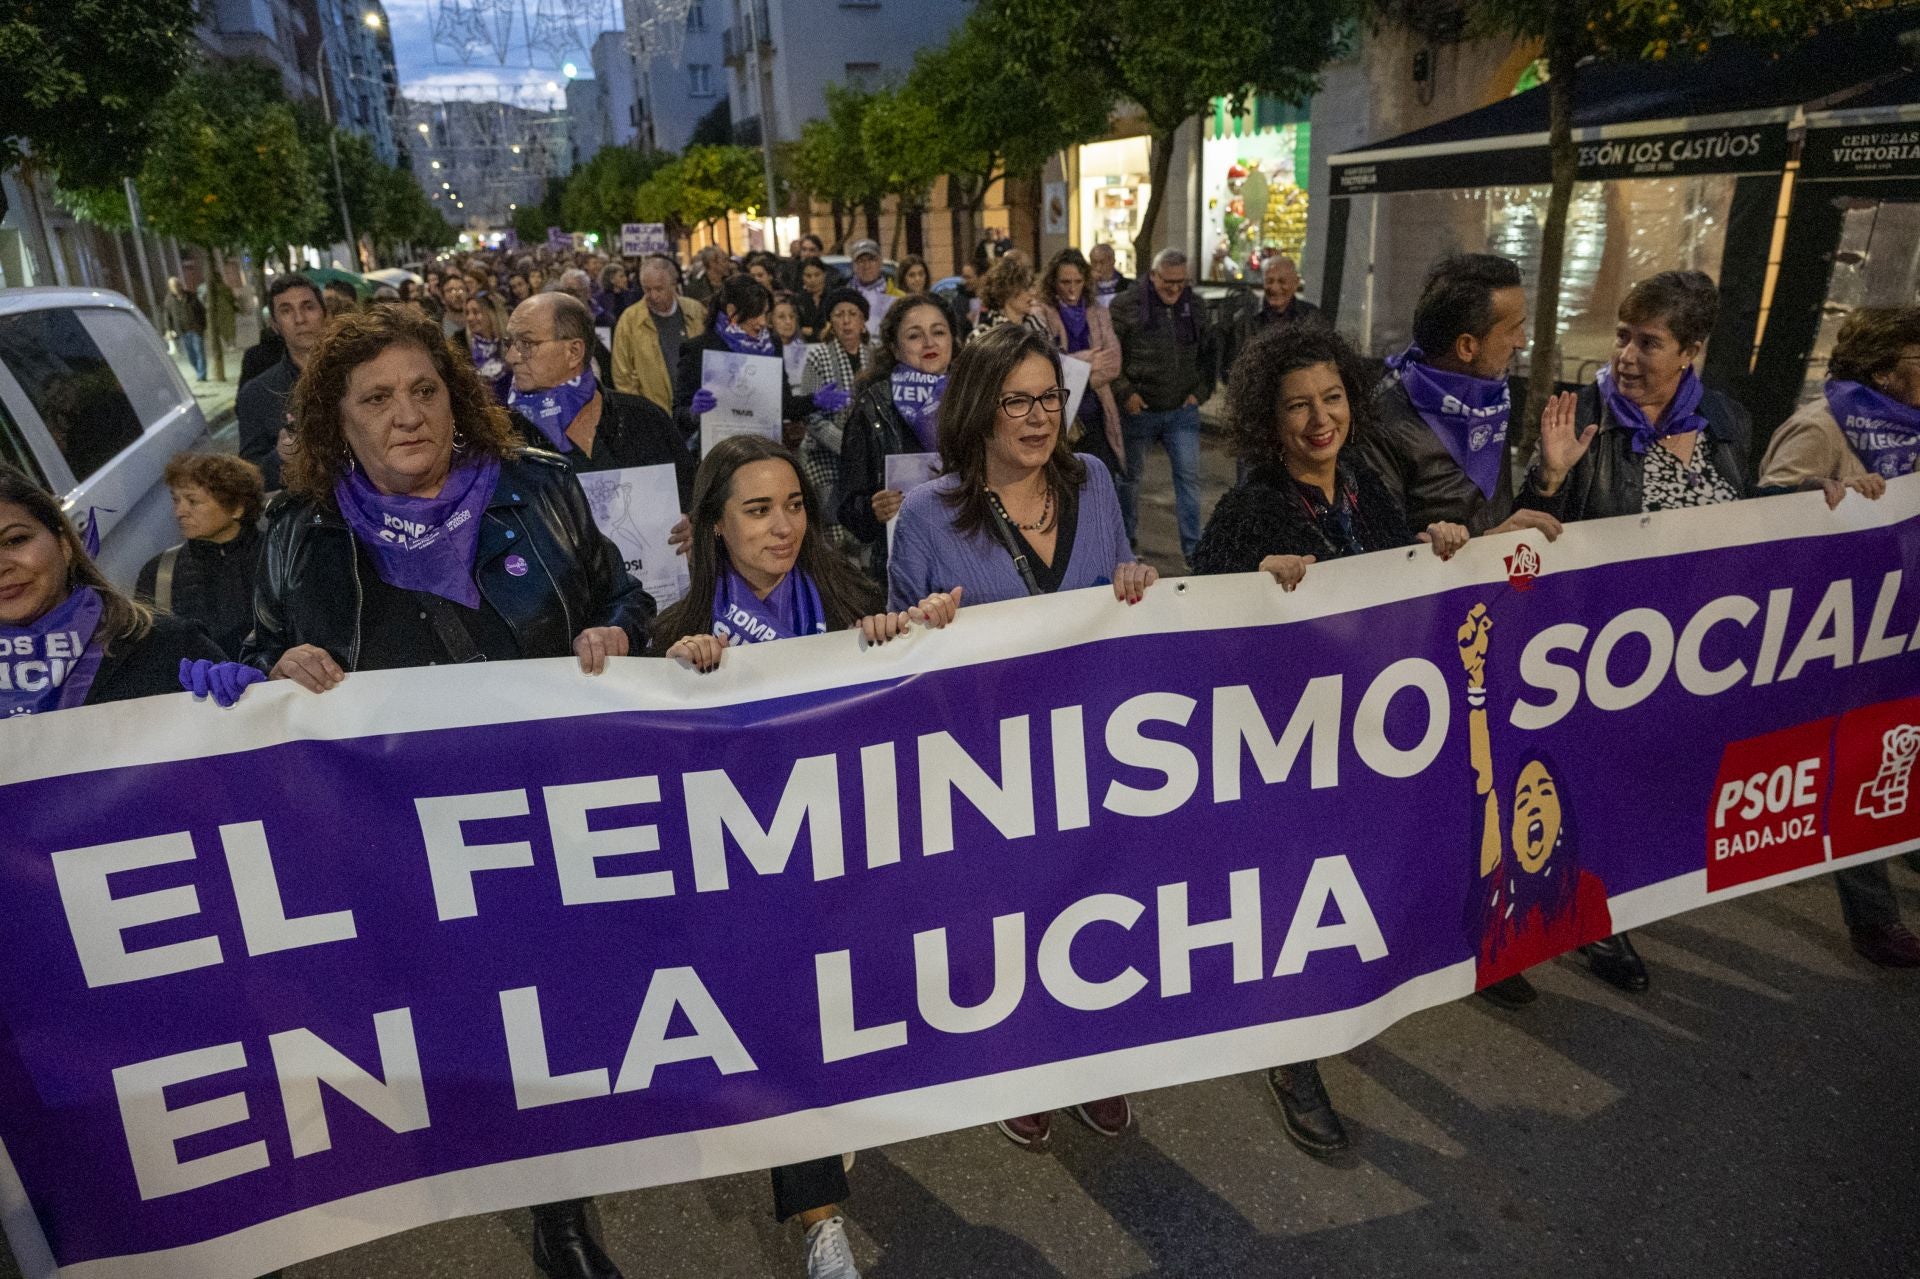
[1018, 405]
[508, 345]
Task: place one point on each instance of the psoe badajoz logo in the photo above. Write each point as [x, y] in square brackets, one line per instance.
[1886, 795]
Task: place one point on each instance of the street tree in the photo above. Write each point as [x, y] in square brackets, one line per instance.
[1169, 60]
[82, 78]
[830, 162]
[896, 132]
[530, 221]
[599, 194]
[662, 197]
[227, 171]
[716, 181]
[990, 125]
[1573, 33]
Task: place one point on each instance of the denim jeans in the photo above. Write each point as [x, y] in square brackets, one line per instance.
[195, 345]
[1177, 431]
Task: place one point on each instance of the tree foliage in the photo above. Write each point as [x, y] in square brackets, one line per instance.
[830, 163]
[715, 181]
[530, 221]
[599, 195]
[1170, 60]
[82, 79]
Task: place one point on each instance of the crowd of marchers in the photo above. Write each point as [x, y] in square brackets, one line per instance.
[406, 492]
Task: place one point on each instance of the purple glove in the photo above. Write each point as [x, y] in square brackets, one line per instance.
[223, 681]
[703, 402]
[830, 398]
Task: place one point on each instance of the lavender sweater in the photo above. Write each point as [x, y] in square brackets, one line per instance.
[930, 555]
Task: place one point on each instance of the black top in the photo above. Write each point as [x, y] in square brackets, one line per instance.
[399, 629]
[150, 666]
[1274, 514]
[633, 431]
[1426, 483]
[212, 584]
[1610, 478]
[686, 380]
[261, 356]
[1049, 576]
[261, 408]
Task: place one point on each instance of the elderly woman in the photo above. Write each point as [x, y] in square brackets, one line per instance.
[1297, 400]
[1084, 330]
[217, 500]
[1863, 430]
[895, 411]
[1014, 513]
[68, 637]
[836, 361]
[1646, 436]
[760, 572]
[486, 330]
[1006, 297]
[611, 297]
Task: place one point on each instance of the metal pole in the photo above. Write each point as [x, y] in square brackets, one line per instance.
[140, 250]
[333, 149]
[755, 13]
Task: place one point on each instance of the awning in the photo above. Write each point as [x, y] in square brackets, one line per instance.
[1728, 112]
[1872, 135]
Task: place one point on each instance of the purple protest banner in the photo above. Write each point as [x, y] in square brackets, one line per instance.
[289, 977]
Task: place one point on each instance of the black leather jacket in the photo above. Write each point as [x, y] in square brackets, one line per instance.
[313, 569]
[1608, 480]
[875, 431]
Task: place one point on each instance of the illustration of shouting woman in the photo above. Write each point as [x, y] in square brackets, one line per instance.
[1531, 900]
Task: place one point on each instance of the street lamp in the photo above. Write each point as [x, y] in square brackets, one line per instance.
[372, 20]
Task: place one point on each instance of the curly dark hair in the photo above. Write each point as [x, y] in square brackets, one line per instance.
[232, 482]
[1871, 342]
[352, 340]
[1253, 389]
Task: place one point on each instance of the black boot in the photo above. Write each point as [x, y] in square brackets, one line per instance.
[1515, 992]
[564, 1247]
[1305, 1113]
[1615, 961]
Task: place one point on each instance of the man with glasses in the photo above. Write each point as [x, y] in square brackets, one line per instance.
[1166, 373]
[559, 404]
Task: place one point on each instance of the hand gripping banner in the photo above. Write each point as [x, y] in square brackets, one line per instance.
[285, 978]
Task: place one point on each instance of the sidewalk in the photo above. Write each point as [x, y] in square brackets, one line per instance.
[215, 398]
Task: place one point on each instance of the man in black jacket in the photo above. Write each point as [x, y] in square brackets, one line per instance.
[560, 405]
[299, 316]
[1166, 374]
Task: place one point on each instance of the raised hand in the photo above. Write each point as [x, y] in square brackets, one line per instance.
[1562, 445]
[1473, 644]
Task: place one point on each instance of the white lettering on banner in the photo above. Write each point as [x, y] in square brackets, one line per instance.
[303, 1061]
[263, 912]
[1130, 747]
[1827, 636]
[577, 847]
[715, 809]
[154, 1130]
[1329, 881]
[1237, 721]
[452, 861]
[945, 767]
[97, 919]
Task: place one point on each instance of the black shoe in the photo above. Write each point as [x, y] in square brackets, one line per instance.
[1515, 992]
[563, 1246]
[1616, 962]
[1305, 1113]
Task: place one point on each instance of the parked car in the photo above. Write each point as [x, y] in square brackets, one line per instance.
[92, 406]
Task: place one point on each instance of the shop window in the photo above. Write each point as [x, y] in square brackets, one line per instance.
[70, 385]
[1114, 191]
[1254, 167]
[1877, 263]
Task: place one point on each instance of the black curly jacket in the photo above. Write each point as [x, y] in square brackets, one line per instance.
[1268, 515]
[314, 573]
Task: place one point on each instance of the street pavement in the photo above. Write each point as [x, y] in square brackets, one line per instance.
[1754, 1114]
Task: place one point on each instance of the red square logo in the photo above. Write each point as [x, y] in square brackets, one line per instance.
[1876, 801]
[1766, 814]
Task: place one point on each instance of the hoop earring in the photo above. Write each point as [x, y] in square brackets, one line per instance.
[459, 441]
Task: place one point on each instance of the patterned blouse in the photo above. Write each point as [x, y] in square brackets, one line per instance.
[1668, 484]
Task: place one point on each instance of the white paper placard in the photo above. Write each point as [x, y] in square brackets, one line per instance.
[1075, 372]
[746, 392]
[637, 506]
[795, 355]
[640, 238]
[905, 473]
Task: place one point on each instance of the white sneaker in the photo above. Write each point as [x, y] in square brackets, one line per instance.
[829, 1255]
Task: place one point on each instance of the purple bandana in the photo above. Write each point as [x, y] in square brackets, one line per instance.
[50, 665]
[423, 543]
[916, 396]
[1682, 413]
[1073, 320]
[1884, 433]
[490, 366]
[791, 609]
[553, 409]
[737, 340]
[1468, 413]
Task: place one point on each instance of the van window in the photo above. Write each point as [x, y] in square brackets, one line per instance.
[70, 385]
[15, 451]
[148, 375]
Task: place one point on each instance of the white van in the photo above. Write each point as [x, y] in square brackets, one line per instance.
[92, 406]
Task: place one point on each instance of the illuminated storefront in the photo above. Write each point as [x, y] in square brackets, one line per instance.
[1253, 185]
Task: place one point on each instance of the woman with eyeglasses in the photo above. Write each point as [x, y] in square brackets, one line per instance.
[1014, 513]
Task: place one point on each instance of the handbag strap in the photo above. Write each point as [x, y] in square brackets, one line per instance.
[1003, 532]
[451, 629]
[163, 579]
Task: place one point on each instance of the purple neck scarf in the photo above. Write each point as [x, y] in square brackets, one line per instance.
[1186, 329]
[1073, 319]
[1468, 413]
[916, 396]
[423, 543]
[737, 339]
[492, 369]
[1884, 433]
[51, 664]
[554, 409]
[791, 609]
[1682, 414]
